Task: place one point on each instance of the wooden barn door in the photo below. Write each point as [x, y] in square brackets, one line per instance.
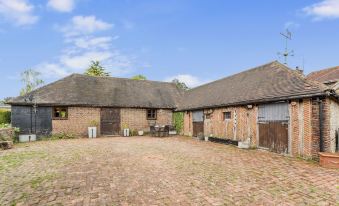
[198, 123]
[273, 127]
[110, 121]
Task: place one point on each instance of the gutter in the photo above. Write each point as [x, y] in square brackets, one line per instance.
[321, 136]
[264, 100]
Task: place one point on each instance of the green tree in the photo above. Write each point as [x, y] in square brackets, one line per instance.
[95, 69]
[30, 78]
[139, 77]
[180, 85]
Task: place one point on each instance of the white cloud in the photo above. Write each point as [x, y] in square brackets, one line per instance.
[291, 25]
[83, 45]
[20, 12]
[189, 80]
[325, 9]
[84, 25]
[81, 61]
[51, 70]
[92, 42]
[61, 5]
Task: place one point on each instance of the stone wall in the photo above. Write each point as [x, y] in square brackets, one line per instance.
[78, 121]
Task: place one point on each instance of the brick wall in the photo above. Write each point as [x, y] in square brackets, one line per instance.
[79, 119]
[301, 127]
[136, 119]
[315, 127]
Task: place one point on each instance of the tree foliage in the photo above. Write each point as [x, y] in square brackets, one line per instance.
[5, 116]
[95, 69]
[139, 77]
[30, 78]
[180, 85]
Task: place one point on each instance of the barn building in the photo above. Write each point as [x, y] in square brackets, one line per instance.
[271, 107]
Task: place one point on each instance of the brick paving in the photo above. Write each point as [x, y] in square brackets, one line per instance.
[154, 171]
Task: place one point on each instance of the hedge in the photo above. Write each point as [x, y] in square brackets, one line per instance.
[178, 120]
[5, 117]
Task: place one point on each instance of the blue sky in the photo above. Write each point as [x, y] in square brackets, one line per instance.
[194, 40]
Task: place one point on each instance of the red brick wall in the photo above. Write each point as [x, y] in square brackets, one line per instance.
[79, 119]
[136, 119]
[301, 127]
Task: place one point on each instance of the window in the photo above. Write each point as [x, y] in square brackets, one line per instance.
[227, 115]
[60, 113]
[151, 114]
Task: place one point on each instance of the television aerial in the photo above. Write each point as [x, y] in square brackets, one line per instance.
[287, 53]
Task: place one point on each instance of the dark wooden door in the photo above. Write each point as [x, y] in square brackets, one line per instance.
[274, 136]
[110, 121]
[198, 129]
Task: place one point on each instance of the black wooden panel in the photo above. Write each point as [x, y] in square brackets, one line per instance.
[25, 118]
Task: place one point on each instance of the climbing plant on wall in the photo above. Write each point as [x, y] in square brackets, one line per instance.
[178, 120]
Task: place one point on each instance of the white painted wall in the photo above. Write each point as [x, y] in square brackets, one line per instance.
[334, 122]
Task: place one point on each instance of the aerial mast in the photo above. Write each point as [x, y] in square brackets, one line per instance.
[287, 53]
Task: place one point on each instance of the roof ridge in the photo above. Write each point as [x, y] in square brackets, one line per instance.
[323, 70]
[123, 78]
[248, 70]
[304, 78]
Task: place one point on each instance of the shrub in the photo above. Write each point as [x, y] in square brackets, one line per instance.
[178, 120]
[59, 136]
[133, 132]
[5, 117]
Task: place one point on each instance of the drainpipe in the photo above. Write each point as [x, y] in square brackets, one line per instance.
[321, 138]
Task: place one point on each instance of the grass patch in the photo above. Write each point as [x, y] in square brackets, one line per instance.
[35, 182]
[14, 160]
[58, 136]
[22, 197]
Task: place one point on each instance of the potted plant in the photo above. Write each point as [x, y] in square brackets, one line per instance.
[92, 129]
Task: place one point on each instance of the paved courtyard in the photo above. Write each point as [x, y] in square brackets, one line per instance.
[154, 171]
